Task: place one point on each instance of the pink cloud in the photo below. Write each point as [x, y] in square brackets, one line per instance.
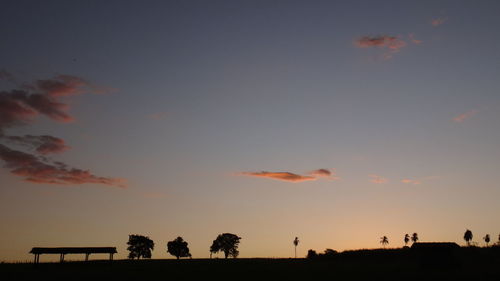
[378, 179]
[462, 117]
[283, 176]
[438, 21]
[292, 177]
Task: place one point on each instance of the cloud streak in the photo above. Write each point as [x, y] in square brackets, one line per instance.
[293, 177]
[464, 116]
[378, 179]
[410, 181]
[438, 21]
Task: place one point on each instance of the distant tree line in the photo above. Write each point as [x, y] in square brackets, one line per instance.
[140, 246]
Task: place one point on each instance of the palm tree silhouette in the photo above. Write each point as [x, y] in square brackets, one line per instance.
[295, 243]
[487, 239]
[414, 237]
[407, 239]
[468, 236]
[384, 240]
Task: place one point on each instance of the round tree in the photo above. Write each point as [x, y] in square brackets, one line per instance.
[139, 246]
[468, 237]
[226, 243]
[178, 248]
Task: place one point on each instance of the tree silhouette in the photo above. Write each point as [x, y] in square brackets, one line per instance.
[178, 248]
[407, 239]
[139, 246]
[384, 240]
[414, 237]
[468, 236]
[295, 243]
[487, 239]
[227, 243]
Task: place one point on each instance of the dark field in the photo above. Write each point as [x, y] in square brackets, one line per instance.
[401, 264]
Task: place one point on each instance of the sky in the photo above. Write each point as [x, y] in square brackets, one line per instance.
[334, 121]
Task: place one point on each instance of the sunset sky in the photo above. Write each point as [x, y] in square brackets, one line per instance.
[334, 121]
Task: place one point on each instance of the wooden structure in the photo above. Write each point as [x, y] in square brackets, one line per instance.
[73, 250]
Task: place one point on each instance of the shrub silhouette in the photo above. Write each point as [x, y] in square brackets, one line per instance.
[487, 239]
[330, 253]
[414, 237]
[178, 248]
[226, 243]
[384, 240]
[139, 246]
[311, 254]
[468, 237]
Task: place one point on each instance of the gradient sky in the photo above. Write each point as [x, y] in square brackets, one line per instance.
[219, 115]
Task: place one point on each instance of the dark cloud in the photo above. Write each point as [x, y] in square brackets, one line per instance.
[391, 42]
[4, 75]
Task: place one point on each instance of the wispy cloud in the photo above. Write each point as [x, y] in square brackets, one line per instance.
[293, 177]
[462, 117]
[411, 181]
[20, 107]
[438, 21]
[413, 39]
[378, 179]
[5, 75]
[158, 115]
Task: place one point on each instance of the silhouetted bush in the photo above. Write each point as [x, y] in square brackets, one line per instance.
[311, 254]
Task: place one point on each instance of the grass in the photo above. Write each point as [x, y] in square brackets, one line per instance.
[391, 264]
